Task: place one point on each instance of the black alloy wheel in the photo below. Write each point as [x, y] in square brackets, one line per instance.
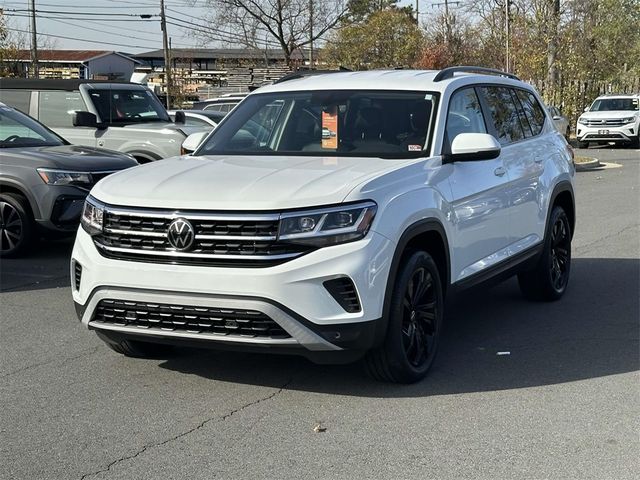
[549, 277]
[419, 325]
[15, 225]
[413, 322]
[560, 253]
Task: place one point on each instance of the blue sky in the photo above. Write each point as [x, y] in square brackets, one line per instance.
[117, 25]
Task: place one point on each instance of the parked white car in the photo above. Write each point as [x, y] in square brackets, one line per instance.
[610, 119]
[275, 237]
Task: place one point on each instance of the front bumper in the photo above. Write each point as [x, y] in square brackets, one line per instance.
[292, 294]
[626, 133]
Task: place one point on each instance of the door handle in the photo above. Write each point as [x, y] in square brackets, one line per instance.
[499, 172]
[101, 143]
[538, 159]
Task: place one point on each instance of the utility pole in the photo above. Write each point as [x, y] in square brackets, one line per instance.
[310, 35]
[447, 18]
[507, 27]
[34, 41]
[167, 55]
[418, 12]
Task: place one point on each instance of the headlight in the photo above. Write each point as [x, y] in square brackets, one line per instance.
[92, 216]
[582, 121]
[64, 177]
[327, 226]
[628, 120]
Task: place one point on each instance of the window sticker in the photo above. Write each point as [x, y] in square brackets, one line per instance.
[415, 148]
[330, 128]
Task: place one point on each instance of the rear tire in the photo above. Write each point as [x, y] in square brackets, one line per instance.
[136, 349]
[16, 225]
[414, 323]
[548, 280]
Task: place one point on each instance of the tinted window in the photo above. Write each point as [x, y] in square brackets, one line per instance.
[524, 121]
[56, 109]
[19, 130]
[532, 110]
[128, 106]
[465, 115]
[335, 122]
[196, 122]
[609, 104]
[19, 99]
[504, 114]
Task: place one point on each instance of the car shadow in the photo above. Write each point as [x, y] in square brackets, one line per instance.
[46, 265]
[493, 340]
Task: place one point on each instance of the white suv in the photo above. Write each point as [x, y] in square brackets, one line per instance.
[329, 216]
[611, 118]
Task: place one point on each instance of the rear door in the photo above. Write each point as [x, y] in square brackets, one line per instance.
[480, 200]
[56, 109]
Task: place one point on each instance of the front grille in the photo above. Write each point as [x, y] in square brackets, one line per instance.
[220, 239]
[191, 319]
[604, 136]
[77, 274]
[344, 292]
[605, 123]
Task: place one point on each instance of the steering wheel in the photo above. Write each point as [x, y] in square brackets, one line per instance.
[11, 138]
[134, 115]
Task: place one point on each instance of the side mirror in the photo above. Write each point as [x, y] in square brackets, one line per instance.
[586, 109]
[180, 117]
[468, 147]
[85, 119]
[557, 117]
[192, 142]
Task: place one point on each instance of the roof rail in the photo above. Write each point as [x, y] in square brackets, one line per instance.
[447, 73]
[308, 73]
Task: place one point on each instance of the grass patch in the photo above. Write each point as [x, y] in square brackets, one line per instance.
[581, 159]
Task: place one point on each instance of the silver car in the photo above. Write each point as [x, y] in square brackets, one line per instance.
[560, 121]
[126, 117]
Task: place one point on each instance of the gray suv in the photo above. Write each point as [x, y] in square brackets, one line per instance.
[126, 117]
[44, 180]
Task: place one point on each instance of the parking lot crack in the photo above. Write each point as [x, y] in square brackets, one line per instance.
[83, 353]
[187, 432]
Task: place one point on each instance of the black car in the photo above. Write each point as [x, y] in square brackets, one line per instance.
[44, 180]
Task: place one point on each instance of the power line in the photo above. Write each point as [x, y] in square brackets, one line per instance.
[82, 39]
[49, 17]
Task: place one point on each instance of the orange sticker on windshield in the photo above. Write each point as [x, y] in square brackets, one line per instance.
[330, 128]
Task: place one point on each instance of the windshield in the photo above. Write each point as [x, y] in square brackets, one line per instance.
[334, 122]
[608, 104]
[20, 130]
[128, 106]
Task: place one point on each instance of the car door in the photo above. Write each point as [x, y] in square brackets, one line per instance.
[479, 200]
[56, 109]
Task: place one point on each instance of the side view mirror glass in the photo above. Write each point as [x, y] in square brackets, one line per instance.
[586, 109]
[467, 147]
[192, 142]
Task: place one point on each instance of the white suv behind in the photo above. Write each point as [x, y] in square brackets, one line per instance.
[329, 216]
[610, 118]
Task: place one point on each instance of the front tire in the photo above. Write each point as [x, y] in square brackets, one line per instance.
[136, 349]
[414, 323]
[582, 144]
[548, 280]
[16, 225]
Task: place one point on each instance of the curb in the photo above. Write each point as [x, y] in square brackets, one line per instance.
[581, 167]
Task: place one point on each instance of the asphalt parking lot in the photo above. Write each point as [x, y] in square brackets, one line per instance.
[563, 403]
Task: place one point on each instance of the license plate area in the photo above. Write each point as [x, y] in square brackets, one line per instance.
[603, 132]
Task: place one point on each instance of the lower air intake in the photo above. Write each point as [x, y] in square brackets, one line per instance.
[344, 292]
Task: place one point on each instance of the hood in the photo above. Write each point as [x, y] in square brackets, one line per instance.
[70, 157]
[241, 182]
[613, 114]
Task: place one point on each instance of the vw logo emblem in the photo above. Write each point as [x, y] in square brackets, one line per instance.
[181, 234]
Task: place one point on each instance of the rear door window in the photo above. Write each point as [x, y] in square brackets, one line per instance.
[532, 109]
[18, 99]
[56, 108]
[504, 114]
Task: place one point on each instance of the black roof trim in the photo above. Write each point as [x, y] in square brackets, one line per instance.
[447, 73]
[45, 84]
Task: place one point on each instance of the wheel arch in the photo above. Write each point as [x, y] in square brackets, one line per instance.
[11, 186]
[143, 156]
[428, 235]
[563, 196]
